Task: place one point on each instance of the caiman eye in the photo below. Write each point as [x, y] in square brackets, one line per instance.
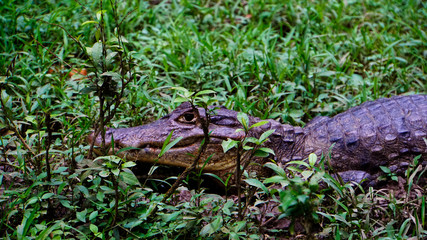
[187, 118]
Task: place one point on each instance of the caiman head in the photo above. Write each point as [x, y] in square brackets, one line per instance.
[148, 139]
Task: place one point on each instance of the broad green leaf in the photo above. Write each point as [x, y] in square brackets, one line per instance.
[81, 216]
[212, 227]
[93, 228]
[115, 76]
[243, 119]
[128, 164]
[83, 189]
[385, 169]
[129, 177]
[277, 179]
[312, 159]
[32, 201]
[267, 150]
[109, 59]
[104, 173]
[60, 170]
[97, 52]
[180, 100]
[227, 206]
[229, 144]
[278, 170]
[116, 171]
[66, 204]
[100, 195]
[47, 195]
[93, 215]
[252, 140]
[260, 153]
[171, 216]
[247, 148]
[239, 226]
[306, 174]
[266, 134]
[256, 183]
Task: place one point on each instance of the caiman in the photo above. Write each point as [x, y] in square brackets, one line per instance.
[386, 132]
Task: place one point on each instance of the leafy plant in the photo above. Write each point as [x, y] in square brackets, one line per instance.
[66, 68]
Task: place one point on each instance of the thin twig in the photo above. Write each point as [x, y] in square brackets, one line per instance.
[15, 128]
[52, 53]
[205, 126]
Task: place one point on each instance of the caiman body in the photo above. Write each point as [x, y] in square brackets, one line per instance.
[386, 132]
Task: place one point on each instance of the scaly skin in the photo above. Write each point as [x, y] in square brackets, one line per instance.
[386, 132]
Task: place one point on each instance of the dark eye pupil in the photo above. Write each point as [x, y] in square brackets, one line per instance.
[188, 117]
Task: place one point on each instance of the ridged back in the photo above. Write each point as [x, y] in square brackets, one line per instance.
[384, 132]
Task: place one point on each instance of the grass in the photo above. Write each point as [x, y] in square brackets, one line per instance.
[289, 61]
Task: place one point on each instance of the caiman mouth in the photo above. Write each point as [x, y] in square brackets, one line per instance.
[180, 155]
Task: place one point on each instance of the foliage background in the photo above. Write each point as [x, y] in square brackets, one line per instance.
[287, 60]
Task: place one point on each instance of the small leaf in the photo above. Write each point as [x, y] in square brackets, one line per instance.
[168, 145]
[100, 196]
[81, 215]
[216, 177]
[385, 169]
[252, 140]
[126, 149]
[128, 164]
[93, 215]
[89, 22]
[229, 144]
[152, 169]
[115, 76]
[267, 150]
[93, 228]
[47, 195]
[99, 13]
[110, 57]
[260, 123]
[212, 227]
[171, 216]
[129, 177]
[278, 170]
[84, 190]
[180, 100]
[247, 148]
[306, 174]
[32, 201]
[97, 52]
[116, 171]
[260, 153]
[243, 119]
[256, 183]
[266, 134]
[277, 179]
[299, 163]
[104, 173]
[204, 92]
[66, 204]
[312, 159]
[60, 170]
[87, 90]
